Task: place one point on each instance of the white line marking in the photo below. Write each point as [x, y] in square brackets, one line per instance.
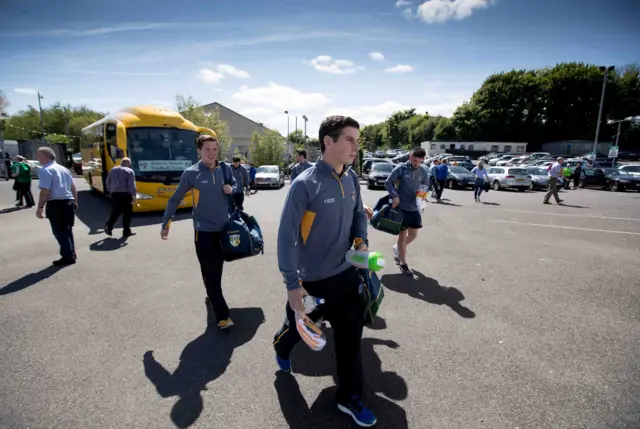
[567, 227]
[576, 215]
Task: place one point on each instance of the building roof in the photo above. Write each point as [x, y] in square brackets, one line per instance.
[217, 106]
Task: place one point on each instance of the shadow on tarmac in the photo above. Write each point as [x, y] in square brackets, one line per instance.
[428, 290]
[94, 210]
[10, 209]
[30, 280]
[323, 413]
[108, 244]
[202, 361]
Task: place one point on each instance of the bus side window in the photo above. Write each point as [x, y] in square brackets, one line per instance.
[114, 151]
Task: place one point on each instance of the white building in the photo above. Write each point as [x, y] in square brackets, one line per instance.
[435, 147]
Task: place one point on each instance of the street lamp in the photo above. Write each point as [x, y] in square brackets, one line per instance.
[619, 122]
[287, 113]
[605, 70]
[305, 130]
[5, 173]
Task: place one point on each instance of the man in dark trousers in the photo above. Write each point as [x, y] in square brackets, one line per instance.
[211, 203]
[60, 196]
[121, 184]
[242, 179]
[323, 218]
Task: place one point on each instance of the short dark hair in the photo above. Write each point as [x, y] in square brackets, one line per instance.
[419, 152]
[302, 152]
[205, 138]
[237, 159]
[332, 126]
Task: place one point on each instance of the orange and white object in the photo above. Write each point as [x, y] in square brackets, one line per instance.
[311, 333]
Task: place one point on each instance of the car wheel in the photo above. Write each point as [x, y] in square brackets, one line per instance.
[496, 185]
[451, 184]
[532, 187]
[581, 184]
[614, 187]
[522, 189]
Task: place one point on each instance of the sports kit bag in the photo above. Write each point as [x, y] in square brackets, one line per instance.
[241, 237]
[385, 218]
[371, 295]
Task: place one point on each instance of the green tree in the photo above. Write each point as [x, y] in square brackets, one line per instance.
[267, 148]
[297, 139]
[193, 111]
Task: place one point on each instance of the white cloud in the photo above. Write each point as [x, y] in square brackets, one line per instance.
[403, 3]
[407, 13]
[209, 76]
[400, 68]
[443, 10]
[326, 64]
[28, 91]
[232, 71]
[376, 56]
[367, 115]
[119, 28]
[281, 98]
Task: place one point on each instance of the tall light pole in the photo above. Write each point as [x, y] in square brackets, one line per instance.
[305, 130]
[605, 70]
[288, 143]
[619, 122]
[40, 97]
[5, 173]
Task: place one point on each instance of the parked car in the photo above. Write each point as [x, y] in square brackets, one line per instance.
[504, 160]
[379, 173]
[399, 159]
[493, 161]
[539, 178]
[509, 177]
[464, 164]
[609, 178]
[368, 162]
[459, 178]
[269, 176]
[35, 167]
[380, 154]
[632, 169]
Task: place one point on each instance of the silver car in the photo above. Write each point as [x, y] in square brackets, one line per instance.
[269, 176]
[379, 173]
[509, 177]
[539, 178]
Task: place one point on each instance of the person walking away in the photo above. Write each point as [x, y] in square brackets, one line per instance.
[302, 164]
[576, 175]
[481, 175]
[211, 207]
[252, 175]
[22, 182]
[433, 177]
[322, 219]
[403, 184]
[121, 184]
[58, 193]
[241, 176]
[555, 171]
[442, 173]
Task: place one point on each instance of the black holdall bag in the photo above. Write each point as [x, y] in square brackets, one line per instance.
[385, 218]
[241, 237]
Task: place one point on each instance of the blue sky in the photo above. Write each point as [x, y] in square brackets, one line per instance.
[365, 58]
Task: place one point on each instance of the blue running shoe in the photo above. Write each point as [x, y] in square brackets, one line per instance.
[283, 364]
[359, 413]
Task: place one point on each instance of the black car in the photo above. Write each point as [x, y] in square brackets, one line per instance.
[459, 178]
[378, 174]
[609, 178]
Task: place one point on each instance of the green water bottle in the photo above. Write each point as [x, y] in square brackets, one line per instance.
[373, 261]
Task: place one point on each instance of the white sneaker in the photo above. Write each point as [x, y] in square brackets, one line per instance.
[396, 255]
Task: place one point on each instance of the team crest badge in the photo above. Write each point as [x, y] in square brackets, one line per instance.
[234, 240]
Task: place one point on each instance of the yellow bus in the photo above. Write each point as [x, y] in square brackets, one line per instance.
[160, 142]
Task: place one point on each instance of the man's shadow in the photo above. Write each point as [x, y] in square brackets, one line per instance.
[30, 280]
[202, 361]
[109, 243]
[323, 413]
[427, 289]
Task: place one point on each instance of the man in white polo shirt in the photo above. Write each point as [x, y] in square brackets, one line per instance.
[555, 172]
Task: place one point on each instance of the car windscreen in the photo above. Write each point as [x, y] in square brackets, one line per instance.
[267, 169]
[384, 167]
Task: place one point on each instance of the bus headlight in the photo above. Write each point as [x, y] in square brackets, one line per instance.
[140, 196]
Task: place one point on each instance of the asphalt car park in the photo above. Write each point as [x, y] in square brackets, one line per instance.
[519, 315]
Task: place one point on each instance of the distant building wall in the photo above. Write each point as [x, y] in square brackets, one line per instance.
[435, 147]
[574, 147]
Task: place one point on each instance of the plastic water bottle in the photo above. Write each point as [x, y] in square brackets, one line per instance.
[373, 261]
[421, 197]
[310, 332]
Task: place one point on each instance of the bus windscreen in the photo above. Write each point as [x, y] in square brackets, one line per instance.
[165, 151]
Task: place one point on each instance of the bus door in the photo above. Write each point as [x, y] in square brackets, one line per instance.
[104, 170]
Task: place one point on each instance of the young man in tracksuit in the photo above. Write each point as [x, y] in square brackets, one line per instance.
[403, 184]
[212, 192]
[323, 217]
[303, 164]
[241, 175]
